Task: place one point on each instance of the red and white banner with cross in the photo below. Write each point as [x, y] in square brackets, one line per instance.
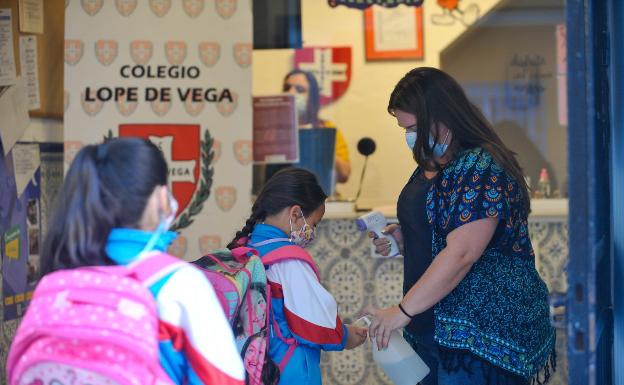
[331, 66]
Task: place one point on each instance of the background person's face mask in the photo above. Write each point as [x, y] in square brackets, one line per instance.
[301, 104]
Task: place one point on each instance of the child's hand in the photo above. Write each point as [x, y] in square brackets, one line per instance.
[355, 336]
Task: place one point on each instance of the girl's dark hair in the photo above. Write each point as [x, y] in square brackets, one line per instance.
[314, 98]
[288, 187]
[434, 97]
[107, 186]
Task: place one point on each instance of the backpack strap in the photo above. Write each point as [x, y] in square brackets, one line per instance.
[290, 252]
[154, 267]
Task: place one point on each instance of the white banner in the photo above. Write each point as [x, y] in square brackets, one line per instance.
[178, 73]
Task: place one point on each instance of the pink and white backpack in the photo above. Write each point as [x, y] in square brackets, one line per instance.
[92, 326]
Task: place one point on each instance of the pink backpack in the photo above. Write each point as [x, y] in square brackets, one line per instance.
[92, 325]
[236, 276]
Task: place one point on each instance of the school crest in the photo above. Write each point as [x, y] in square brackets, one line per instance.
[73, 51]
[190, 163]
[91, 7]
[193, 108]
[141, 51]
[126, 7]
[226, 8]
[178, 247]
[65, 100]
[227, 107]
[331, 66]
[209, 243]
[242, 54]
[160, 7]
[226, 197]
[91, 108]
[243, 151]
[193, 7]
[209, 53]
[175, 51]
[160, 108]
[106, 51]
[71, 148]
[125, 107]
[216, 148]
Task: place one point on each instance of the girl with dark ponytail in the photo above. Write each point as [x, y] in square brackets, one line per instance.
[283, 220]
[115, 207]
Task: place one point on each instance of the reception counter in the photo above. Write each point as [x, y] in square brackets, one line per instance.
[357, 279]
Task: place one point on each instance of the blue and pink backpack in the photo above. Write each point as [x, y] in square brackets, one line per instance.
[239, 279]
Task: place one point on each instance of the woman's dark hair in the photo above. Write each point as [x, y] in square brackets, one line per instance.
[288, 187]
[270, 370]
[107, 186]
[314, 98]
[434, 97]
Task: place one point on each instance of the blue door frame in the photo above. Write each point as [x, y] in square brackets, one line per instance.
[595, 313]
[616, 18]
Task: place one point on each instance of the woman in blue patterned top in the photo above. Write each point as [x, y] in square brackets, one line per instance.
[490, 304]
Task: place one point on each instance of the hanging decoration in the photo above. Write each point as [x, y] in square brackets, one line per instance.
[363, 4]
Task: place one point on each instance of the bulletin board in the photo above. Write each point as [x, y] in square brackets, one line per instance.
[49, 55]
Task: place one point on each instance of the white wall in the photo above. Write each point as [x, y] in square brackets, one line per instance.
[44, 131]
[362, 110]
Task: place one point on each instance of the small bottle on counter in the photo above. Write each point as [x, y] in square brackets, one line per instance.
[543, 186]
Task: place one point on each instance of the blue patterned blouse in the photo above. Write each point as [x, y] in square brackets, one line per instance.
[499, 312]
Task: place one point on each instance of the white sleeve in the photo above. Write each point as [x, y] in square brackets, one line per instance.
[187, 304]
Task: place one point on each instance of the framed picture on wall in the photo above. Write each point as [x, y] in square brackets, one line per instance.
[394, 33]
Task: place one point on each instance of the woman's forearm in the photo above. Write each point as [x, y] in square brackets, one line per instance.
[442, 276]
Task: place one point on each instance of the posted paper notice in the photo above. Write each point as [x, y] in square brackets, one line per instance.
[29, 69]
[7, 58]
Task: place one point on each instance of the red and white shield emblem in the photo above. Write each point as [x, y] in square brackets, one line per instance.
[160, 7]
[193, 7]
[160, 108]
[91, 108]
[106, 51]
[65, 100]
[227, 107]
[71, 148]
[226, 8]
[242, 54]
[92, 7]
[175, 51]
[243, 151]
[178, 247]
[125, 107]
[331, 66]
[209, 243]
[226, 197]
[193, 108]
[73, 51]
[180, 145]
[216, 149]
[126, 7]
[209, 53]
[141, 51]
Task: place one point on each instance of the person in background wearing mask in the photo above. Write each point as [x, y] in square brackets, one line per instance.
[464, 233]
[304, 314]
[304, 86]
[115, 207]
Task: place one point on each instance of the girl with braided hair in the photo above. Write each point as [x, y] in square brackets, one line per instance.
[304, 315]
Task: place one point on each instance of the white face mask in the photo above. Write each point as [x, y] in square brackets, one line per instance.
[301, 104]
[410, 138]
